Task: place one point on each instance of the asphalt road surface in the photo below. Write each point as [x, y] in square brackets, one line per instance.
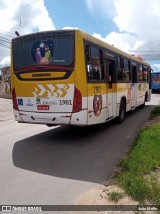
[41, 165]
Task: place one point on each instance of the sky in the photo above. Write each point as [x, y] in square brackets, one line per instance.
[130, 25]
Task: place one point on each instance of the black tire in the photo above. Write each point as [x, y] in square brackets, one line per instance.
[122, 111]
[145, 99]
[143, 105]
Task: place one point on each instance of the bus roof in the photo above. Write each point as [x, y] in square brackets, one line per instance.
[114, 49]
[96, 41]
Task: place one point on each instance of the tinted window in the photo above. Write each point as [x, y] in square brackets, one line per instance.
[94, 60]
[140, 73]
[51, 51]
[123, 69]
[143, 73]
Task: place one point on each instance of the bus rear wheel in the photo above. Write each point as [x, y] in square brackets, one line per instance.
[145, 99]
[122, 111]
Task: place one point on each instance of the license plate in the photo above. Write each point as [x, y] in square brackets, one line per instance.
[43, 107]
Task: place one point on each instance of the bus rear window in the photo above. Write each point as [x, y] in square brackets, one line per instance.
[43, 51]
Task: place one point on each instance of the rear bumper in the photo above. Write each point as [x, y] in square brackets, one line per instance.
[79, 118]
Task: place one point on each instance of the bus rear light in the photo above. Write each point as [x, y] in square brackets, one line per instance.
[14, 99]
[77, 102]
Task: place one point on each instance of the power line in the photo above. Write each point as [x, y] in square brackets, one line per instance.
[5, 37]
[4, 45]
[146, 45]
[147, 51]
[6, 32]
[25, 6]
[23, 21]
[30, 24]
[28, 4]
[5, 40]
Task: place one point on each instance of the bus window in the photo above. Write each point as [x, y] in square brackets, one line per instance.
[50, 51]
[110, 70]
[120, 67]
[134, 73]
[94, 60]
[145, 73]
[127, 71]
[123, 69]
[140, 73]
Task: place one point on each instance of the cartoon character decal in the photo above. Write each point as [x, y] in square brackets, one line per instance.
[97, 104]
[47, 53]
[38, 56]
[42, 52]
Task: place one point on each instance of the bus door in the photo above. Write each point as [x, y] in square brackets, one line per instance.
[110, 67]
[134, 85]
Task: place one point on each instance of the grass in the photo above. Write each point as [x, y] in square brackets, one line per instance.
[138, 178]
[155, 113]
[115, 196]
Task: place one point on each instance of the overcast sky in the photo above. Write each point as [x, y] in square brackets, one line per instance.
[131, 25]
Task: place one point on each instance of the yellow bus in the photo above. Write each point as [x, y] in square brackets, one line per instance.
[67, 77]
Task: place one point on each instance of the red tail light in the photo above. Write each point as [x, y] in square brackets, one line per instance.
[14, 100]
[77, 102]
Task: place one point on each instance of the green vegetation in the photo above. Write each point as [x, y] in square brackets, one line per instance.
[115, 196]
[155, 113]
[140, 176]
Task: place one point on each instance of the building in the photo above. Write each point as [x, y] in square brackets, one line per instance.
[5, 82]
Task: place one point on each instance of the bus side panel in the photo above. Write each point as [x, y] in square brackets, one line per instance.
[111, 101]
[97, 103]
[141, 89]
[124, 91]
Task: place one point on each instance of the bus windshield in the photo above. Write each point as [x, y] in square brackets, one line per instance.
[53, 50]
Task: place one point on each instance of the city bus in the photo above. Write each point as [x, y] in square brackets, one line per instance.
[68, 77]
[155, 81]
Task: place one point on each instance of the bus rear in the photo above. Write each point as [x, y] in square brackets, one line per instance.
[43, 79]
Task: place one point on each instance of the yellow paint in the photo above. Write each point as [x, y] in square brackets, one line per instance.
[78, 77]
[41, 89]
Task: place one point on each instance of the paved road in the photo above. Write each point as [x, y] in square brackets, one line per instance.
[41, 165]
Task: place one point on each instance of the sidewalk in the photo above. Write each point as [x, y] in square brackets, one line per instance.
[7, 96]
[6, 110]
